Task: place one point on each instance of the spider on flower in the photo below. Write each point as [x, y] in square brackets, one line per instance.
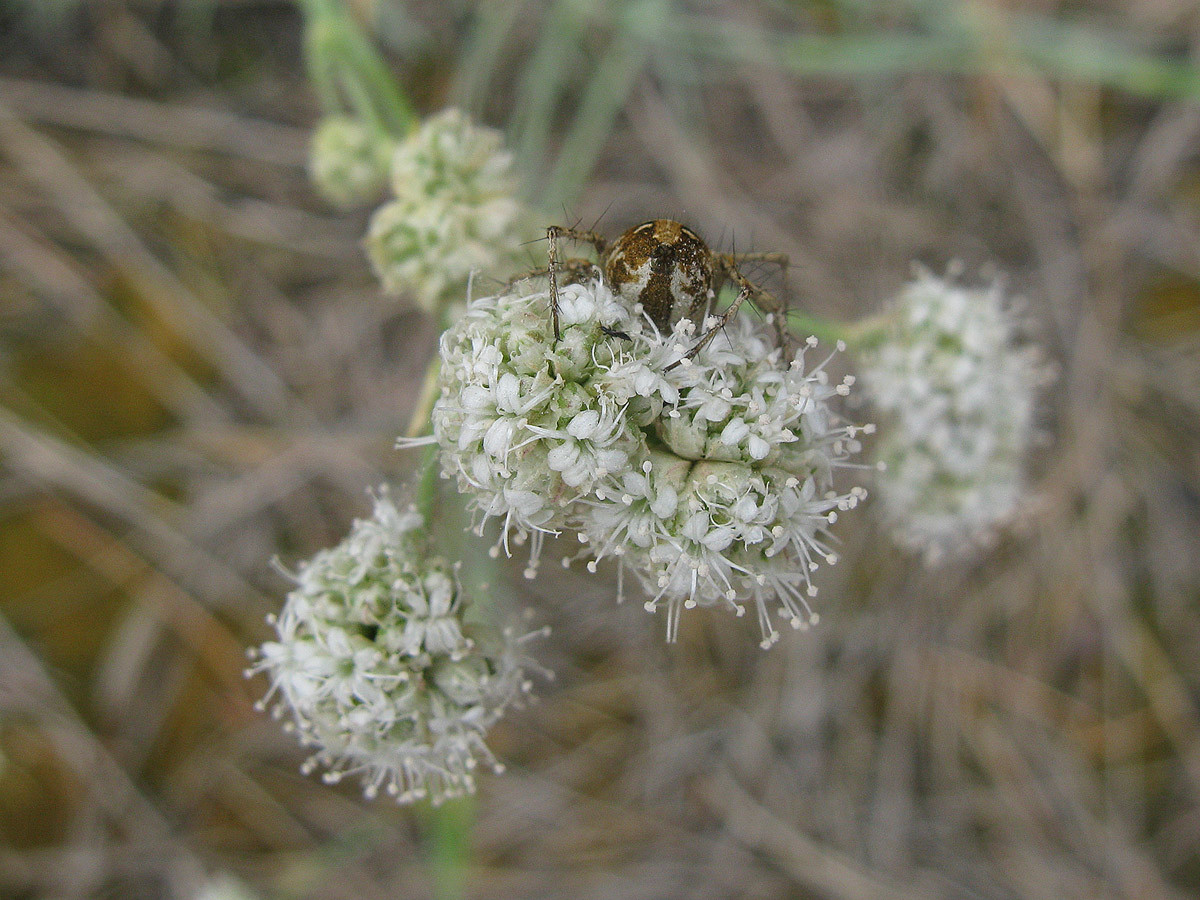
[668, 269]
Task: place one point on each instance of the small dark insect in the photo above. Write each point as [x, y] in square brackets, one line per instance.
[669, 270]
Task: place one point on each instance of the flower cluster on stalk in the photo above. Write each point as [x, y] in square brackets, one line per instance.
[958, 388]
[378, 669]
[454, 211]
[711, 481]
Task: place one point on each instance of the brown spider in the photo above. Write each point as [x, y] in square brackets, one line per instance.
[670, 271]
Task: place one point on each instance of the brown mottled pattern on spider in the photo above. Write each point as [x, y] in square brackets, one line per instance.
[663, 265]
[668, 269]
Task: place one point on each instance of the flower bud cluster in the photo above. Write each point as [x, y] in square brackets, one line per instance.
[454, 211]
[960, 392]
[348, 163]
[710, 480]
[378, 669]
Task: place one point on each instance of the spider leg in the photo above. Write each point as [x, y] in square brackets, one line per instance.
[725, 266]
[779, 259]
[745, 292]
[575, 269]
[774, 306]
[553, 233]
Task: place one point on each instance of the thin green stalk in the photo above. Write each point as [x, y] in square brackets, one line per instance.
[448, 833]
[359, 97]
[449, 826]
[427, 483]
[392, 103]
[320, 53]
[419, 421]
[324, 85]
[315, 9]
[347, 71]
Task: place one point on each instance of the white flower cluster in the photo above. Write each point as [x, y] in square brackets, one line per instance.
[710, 480]
[455, 211]
[348, 163]
[377, 669]
[960, 392]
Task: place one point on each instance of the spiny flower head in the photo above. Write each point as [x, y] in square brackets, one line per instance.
[454, 212]
[348, 163]
[378, 670]
[711, 479]
[960, 391]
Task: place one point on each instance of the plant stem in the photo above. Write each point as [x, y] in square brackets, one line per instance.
[448, 833]
[348, 72]
[420, 419]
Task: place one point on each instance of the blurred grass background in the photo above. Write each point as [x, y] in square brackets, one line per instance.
[197, 374]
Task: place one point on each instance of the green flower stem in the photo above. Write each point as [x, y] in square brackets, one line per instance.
[419, 423]
[386, 89]
[347, 71]
[358, 95]
[426, 494]
[421, 419]
[448, 833]
[448, 827]
[318, 9]
[320, 73]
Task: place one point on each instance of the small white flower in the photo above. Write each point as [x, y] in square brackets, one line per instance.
[960, 392]
[376, 669]
[454, 212]
[348, 164]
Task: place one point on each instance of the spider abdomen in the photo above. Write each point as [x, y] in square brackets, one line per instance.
[663, 265]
